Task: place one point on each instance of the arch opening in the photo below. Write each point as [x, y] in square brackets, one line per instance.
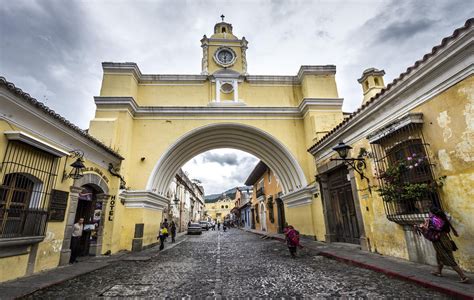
[228, 135]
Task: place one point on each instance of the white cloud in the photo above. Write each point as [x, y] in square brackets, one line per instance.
[217, 176]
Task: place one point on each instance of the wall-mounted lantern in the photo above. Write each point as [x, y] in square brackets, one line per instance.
[358, 164]
[78, 166]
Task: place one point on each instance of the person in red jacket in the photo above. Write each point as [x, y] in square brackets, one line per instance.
[292, 240]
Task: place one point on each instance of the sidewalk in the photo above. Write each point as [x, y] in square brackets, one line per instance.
[26, 285]
[394, 267]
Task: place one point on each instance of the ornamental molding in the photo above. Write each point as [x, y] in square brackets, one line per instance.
[128, 68]
[144, 199]
[451, 65]
[301, 197]
[216, 108]
[413, 118]
[35, 142]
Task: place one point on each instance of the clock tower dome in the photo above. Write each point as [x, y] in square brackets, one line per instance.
[223, 51]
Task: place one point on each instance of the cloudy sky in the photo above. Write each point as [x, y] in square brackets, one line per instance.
[54, 49]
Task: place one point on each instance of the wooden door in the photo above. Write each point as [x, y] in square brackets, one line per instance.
[346, 227]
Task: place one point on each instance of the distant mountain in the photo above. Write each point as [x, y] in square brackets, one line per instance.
[227, 194]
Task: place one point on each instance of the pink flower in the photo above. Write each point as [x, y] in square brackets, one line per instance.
[410, 167]
[409, 158]
[416, 165]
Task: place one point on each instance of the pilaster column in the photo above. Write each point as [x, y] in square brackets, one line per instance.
[218, 91]
[71, 214]
[235, 83]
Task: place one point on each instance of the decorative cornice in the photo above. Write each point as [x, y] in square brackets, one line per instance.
[143, 199]
[238, 108]
[131, 67]
[316, 70]
[413, 118]
[301, 197]
[35, 142]
[370, 72]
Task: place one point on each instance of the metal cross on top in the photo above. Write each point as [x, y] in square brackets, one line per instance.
[222, 17]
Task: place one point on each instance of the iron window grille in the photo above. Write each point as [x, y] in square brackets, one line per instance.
[28, 175]
[405, 145]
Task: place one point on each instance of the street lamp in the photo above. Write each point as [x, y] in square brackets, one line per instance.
[78, 166]
[358, 164]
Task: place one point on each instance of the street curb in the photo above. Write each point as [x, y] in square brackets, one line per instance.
[421, 282]
[121, 257]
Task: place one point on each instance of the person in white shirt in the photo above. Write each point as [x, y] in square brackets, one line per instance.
[77, 230]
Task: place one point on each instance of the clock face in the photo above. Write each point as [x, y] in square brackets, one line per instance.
[225, 56]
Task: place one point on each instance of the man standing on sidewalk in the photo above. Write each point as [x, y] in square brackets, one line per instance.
[77, 230]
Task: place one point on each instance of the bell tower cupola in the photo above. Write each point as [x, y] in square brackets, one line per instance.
[223, 30]
[372, 82]
[224, 51]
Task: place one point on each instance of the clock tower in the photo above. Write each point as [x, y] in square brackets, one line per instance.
[223, 51]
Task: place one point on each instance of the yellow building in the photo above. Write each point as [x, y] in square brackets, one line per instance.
[419, 128]
[158, 122]
[218, 210]
[42, 195]
[267, 212]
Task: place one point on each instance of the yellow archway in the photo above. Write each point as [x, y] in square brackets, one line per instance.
[228, 135]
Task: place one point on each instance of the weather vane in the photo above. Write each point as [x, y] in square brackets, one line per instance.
[222, 17]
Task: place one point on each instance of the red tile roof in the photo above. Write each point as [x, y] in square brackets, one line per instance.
[469, 23]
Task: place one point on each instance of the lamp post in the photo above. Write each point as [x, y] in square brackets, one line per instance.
[358, 164]
[176, 201]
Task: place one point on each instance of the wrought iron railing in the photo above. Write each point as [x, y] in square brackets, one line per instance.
[27, 176]
[402, 154]
[23, 223]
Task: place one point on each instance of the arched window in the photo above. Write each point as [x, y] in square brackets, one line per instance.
[20, 194]
[27, 179]
[376, 81]
[223, 29]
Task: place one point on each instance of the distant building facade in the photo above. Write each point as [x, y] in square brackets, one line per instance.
[266, 207]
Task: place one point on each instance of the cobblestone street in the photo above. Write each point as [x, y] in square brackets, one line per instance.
[233, 264]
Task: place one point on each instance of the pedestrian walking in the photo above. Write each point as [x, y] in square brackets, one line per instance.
[173, 231]
[162, 236]
[77, 230]
[437, 229]
[292, 240]
[218, 225]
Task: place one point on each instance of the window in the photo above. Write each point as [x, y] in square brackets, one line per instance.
[227, 206]
[27, 178]
[260, 188]
[407, 184]
[223, 29]
[376, 81]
